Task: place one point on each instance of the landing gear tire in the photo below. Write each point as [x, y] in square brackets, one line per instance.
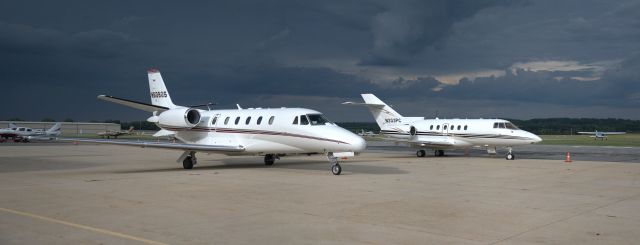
[439, 153]
[188, 162]
[336, 169]
[421, 153]
[510, 156]
[269, 159]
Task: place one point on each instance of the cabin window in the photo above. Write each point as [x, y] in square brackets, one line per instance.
[317, 119]
[237, 120]
[458, 127]
[226, 120]
[295, 120]
[213, 122]
[271, 120]
[438, 127]
[28, 130]
[247, 121]
[431, 127]
[21, 129]
[465, 127]
[259, 120]
[445, 127]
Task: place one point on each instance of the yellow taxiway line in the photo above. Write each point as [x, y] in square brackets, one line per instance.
[84, 227]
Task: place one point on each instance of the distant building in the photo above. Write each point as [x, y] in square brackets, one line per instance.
[68, 128]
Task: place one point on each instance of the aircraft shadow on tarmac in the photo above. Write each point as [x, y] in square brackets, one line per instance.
[254, 163]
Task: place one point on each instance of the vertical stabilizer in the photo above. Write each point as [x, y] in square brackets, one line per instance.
[54, 130]
[383, 113]
[159, 93]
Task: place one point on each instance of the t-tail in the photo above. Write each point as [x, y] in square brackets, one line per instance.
[384, 115]
[54, 130]
[159, 93]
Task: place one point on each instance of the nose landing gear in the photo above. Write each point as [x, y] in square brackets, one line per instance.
[336, 169]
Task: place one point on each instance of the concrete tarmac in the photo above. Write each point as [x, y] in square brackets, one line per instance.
[98, 194]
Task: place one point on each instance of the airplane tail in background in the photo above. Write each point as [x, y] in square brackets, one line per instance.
[54, 130]
[159, 93]
[130, 130]
[383, 114]
[12, 125]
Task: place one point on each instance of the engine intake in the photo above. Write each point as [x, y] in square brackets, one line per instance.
[183, 117]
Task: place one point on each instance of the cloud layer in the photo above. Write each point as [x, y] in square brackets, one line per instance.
[515, 59]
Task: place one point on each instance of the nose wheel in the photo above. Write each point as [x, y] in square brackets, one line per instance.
[510, 155]
[336, 169]
[421, 153]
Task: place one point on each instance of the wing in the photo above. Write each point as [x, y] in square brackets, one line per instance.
[423, 141]
[164, 145]
[133, 104]
[587, 132]
[613, 133]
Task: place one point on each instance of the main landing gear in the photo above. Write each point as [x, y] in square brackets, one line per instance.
[437, 153]
[190, 160]
[269, 159]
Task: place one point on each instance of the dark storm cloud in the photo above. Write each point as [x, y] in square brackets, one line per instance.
[318, 54]
[406, 28]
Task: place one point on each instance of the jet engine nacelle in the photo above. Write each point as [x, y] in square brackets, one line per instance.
[182, 117]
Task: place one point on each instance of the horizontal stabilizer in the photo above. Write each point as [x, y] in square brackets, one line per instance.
[133, 104]
[364, 104]
[163, 133]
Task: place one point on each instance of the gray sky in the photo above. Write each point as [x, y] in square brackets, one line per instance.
[466, 58]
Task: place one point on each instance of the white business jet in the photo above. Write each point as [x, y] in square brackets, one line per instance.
[443, 134]
[24, 134]
[271, 132]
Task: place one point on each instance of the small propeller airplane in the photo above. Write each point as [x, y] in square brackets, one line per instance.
[111, 133]
[600, 135]
[24, 134]
[268, 132]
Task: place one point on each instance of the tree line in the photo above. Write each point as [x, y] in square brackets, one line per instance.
[537, 126]
[544, 126]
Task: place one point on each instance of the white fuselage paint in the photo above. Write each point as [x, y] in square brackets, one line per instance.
[277, 136]
[460, 133]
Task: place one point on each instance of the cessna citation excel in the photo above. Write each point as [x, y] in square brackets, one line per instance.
[443, 134]
[271, 132]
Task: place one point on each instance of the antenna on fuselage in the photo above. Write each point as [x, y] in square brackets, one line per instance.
[239, 107]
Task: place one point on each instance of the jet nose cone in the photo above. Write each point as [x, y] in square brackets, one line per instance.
[358, 144]
[536, 138]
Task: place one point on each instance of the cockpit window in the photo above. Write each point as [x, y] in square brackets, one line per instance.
[502, 125]
[295, 120]
[317, 119]
[512, 126]
[304, 120]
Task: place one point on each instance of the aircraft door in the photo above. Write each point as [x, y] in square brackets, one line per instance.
[215, 120]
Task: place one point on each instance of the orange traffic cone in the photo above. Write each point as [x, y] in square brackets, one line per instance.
[568, 157]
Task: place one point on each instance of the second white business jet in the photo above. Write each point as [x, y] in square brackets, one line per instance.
[269, 132]
[443, 134]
